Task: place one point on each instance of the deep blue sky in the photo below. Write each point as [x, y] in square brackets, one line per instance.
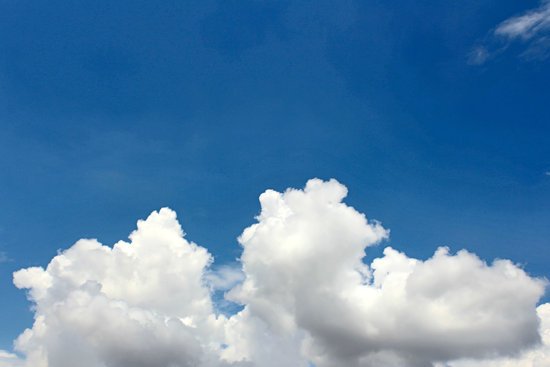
[112, 109]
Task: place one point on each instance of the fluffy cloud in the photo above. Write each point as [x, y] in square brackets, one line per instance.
[307, 298]
[538, 356]
[139, 303]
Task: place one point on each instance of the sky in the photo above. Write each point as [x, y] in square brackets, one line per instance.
[433, 117]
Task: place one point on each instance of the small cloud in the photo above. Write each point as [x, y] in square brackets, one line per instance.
[538, 50]
[478, 55]
[4, 258]
[547, 173]
[8, 359]
[5, 354]
[526, 26]
[530, 29]
[225, 277]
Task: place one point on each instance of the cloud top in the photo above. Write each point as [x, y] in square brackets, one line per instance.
[307, 297]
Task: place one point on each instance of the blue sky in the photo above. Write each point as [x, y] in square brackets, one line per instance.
[110, 110]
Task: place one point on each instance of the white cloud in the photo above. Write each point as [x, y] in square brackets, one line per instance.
[225, 277]
[307, 297]
[531, 29]
[140, 303]
[526, 26]
[8, 359]
[304, 272]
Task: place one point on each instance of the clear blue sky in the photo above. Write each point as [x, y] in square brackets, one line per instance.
[112, 109]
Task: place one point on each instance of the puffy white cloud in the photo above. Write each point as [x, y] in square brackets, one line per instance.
[139, 303]
[304, 272]
[308, 297]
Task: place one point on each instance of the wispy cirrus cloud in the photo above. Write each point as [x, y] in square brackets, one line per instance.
[4, 258]
[530, 29]
[527, 26]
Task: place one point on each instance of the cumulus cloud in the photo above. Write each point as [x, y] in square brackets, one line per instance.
[304, 272]
[538, 356]
[139, 303]
[306, 295]
[531, 29]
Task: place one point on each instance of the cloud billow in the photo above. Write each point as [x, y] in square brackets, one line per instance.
[308, 298]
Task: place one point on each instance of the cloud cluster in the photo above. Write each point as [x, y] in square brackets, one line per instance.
[308, 298]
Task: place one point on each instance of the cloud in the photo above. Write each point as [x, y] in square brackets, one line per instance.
[535, 357]
[478, 55]
[8, 359]
[304, 272]
[139, 303]
[307, 297]
[528, 25]
[531, 29]
[225, 277]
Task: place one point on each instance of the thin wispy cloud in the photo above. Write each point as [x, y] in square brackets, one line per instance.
[4, 257]
[478, 55]
[530, 29]
[532, 24]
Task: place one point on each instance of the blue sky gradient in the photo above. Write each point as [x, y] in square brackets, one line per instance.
[110, 110]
